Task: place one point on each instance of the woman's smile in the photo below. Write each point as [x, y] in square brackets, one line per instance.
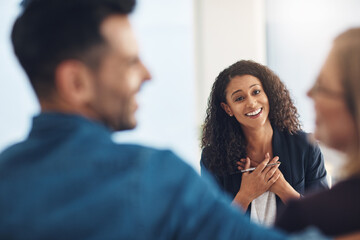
[254, 114]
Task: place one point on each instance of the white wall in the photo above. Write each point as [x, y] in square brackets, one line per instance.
[17, 100]
[225, 31]
[299, 36]
[166, 115]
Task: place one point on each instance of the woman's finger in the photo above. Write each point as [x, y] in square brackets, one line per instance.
[271, 171]
[241, 161]
[274, 178]
[242, 167]
[263, 164]
[247, 164]
[274, 160]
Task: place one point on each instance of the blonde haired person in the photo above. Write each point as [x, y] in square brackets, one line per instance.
[336, 95]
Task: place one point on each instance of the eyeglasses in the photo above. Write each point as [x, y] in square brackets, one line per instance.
[318, 89]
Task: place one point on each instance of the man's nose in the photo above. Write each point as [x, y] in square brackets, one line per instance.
[147, 75]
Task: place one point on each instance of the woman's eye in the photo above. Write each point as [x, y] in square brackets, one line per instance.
[239, 99]
[256, 92]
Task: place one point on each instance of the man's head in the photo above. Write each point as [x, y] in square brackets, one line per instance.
[81, 57]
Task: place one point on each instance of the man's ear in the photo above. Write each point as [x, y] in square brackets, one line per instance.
[227, 109]
[74, 82]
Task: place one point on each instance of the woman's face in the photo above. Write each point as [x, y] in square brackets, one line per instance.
[335, 126]
[247, 101]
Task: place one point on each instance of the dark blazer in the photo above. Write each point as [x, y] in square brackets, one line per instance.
[334, 212]
[302, 165]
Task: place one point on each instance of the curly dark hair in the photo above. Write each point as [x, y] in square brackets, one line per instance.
[223, 141]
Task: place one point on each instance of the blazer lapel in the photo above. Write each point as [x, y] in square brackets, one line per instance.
[281, 149]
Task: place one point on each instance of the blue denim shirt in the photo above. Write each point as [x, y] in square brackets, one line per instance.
[69, 180]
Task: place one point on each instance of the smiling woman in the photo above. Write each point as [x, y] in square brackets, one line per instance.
[246, 101]
[251, 121]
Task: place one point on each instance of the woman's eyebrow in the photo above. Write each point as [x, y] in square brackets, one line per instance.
[254, 85]
[239, 90]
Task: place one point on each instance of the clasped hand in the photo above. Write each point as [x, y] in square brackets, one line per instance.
[262, 179]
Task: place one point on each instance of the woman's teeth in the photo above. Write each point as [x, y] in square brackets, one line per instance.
[254, 112]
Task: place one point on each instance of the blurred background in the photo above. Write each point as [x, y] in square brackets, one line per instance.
[185, 44]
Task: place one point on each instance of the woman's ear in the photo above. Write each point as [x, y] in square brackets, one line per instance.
[227, 109]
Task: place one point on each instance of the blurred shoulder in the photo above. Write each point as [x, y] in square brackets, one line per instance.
[300, 138]
[152, 159]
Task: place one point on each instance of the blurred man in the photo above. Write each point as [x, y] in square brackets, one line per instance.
[68, 179]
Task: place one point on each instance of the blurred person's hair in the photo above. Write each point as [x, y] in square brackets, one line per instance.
[347, 53]
[48, 32]
[223, 140]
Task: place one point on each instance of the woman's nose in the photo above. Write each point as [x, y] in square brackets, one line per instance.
[251, 102]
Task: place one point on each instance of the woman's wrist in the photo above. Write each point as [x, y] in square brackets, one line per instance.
[242, 200]
[288, 193]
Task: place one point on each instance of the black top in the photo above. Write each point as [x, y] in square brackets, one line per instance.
[334, 212]
[302, 165]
